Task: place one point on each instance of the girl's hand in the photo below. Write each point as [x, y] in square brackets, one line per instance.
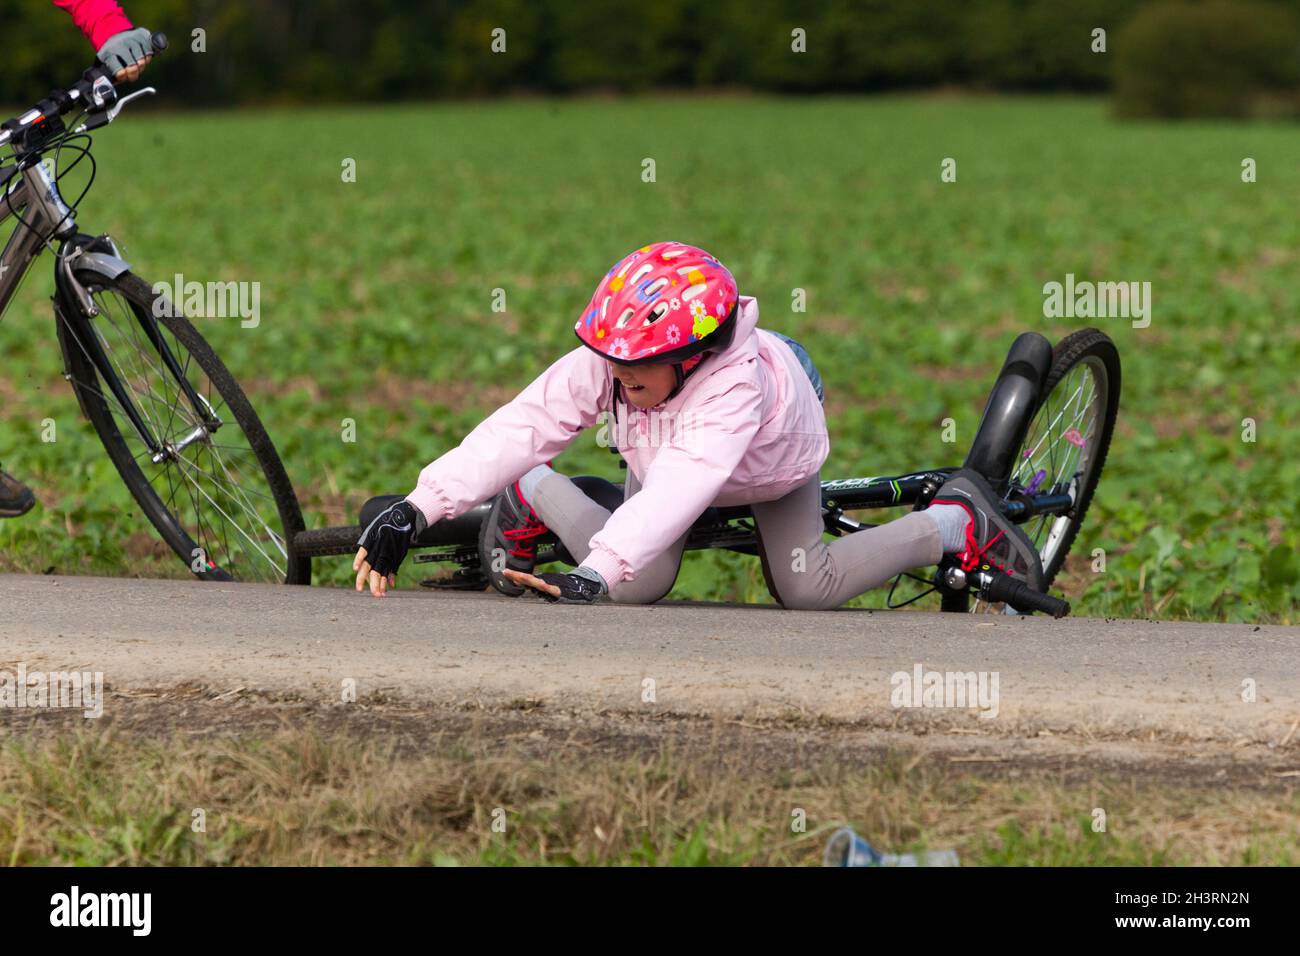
[383, 546]
[127, 53]
[525, 580]
[557, 588]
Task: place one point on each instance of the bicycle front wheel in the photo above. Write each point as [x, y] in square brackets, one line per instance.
[1065, 448]
[182, 434]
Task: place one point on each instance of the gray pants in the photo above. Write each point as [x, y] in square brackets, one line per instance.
[803, 572]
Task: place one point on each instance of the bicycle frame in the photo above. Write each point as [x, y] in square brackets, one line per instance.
[918, 488]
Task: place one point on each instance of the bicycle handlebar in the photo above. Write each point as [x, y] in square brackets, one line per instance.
[1004, 588]
[95, 88]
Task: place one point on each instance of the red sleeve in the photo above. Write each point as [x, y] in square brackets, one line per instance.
[97, 19]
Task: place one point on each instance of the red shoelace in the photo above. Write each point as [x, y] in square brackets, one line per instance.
[524, 536]
[974, 554]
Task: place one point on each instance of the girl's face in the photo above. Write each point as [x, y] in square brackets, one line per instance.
[645, 385]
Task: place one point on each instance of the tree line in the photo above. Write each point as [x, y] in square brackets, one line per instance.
[257, 51]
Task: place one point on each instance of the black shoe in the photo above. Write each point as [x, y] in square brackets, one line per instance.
[15, 497]
[512, 527]
[991, 538]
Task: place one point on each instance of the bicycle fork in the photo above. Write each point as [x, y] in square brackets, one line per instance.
[76, 308]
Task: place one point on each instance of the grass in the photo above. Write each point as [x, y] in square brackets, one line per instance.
[376, 300]
[299, 797]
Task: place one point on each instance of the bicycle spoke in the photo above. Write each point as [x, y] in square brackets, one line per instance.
[1050, 448]
[251, 540]
[232, 490]
[1036, 463]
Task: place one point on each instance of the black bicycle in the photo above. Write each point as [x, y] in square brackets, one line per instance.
[1041, 443]
[175, 423]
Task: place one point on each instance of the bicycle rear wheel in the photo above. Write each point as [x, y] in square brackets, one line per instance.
[213, 486]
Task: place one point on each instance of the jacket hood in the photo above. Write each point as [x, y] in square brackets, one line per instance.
[742, 340]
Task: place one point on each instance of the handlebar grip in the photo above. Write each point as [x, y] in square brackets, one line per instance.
[159, 41]
[1024, 598]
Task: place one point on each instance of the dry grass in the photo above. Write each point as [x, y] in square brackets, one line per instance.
[305, 797]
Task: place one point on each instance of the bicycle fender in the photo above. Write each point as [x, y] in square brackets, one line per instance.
[1010, 408]
[103, 263]
[76, 253]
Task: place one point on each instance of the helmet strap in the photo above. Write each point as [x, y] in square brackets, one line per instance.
[682, 374]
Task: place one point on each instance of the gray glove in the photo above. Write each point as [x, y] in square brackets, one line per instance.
[124, 49]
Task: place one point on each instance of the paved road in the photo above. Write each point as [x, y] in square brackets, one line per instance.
[1101, 678]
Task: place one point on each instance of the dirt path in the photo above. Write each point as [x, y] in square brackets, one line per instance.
[1121, 689]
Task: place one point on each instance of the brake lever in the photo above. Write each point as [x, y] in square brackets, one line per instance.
[122, 101]
[104, 117]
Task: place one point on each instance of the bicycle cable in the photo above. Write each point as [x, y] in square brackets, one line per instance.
[889, 599]
[83, 153]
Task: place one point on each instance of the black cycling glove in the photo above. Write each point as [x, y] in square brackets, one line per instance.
[389, 536]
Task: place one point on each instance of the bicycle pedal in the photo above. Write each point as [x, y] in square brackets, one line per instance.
[462, 579]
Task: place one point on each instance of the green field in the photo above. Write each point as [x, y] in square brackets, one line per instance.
[375, 300]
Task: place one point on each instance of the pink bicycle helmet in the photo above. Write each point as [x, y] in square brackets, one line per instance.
[664, 303]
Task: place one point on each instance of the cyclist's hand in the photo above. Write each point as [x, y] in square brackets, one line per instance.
[562, 588]
[127, 53]
[384, 544]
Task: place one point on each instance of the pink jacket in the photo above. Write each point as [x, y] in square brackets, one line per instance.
[746, 427]
[97, 19]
